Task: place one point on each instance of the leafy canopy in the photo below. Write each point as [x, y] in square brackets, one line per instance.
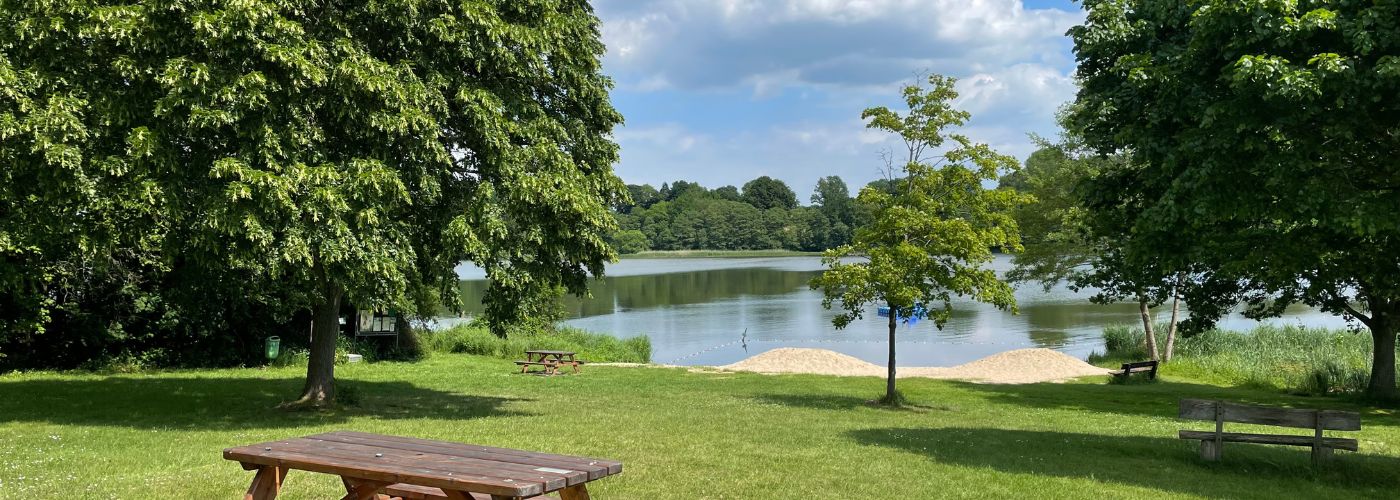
[766, 192]
[362, 148]
[1054, 227]
[929, 238]
[1263, 136]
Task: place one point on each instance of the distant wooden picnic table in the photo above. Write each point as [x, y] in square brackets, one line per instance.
[374, 466]
[550, 360]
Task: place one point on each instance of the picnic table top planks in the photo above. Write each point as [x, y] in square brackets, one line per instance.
[550, 352]
[423, 462]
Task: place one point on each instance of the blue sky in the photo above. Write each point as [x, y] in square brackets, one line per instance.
[722, 91]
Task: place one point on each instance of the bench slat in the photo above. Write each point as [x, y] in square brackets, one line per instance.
[388, 472]
[413, 492]
[1149, 367]
[1132, 370]
[1235, 437]
[573, 472]
[1203, 409]
[606, 467]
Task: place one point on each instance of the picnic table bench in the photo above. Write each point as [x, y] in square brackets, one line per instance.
[1149, 367]
[1317, 420]
[374, 466]
[550, 360]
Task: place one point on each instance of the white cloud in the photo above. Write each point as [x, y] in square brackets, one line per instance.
[801, 71]
[763, 43]
[668, 136]
[1022, 93]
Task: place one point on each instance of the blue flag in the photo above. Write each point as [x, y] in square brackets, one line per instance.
[919, 313]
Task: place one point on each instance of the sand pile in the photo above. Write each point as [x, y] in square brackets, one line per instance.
[1022, 366]
[798, 360]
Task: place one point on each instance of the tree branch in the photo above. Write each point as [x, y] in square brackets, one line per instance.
[1364, 319]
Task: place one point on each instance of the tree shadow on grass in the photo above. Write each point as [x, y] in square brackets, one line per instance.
[205, 403]
[840, 402]
[1161, 463]
[1161, 399]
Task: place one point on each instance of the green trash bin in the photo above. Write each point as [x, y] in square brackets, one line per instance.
[272, 346]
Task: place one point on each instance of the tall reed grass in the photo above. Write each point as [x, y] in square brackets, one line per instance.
[1294, 358]
[594, 347]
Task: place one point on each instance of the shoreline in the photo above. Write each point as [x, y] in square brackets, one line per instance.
[713, 254]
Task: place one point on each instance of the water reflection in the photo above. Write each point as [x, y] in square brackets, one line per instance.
[717, 311]
[630, 292]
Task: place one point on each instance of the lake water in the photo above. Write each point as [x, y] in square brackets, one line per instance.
[718, 311]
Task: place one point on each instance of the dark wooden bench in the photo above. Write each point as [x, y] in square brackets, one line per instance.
[1148, 367]
[1317, 420]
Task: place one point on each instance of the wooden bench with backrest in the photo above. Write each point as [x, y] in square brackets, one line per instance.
[1317, 420]
[1148, 367]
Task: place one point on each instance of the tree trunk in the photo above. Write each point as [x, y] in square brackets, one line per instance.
[1171, 327]
[1383, 330]
[320, 368]
[1147, 327]
[889, 381]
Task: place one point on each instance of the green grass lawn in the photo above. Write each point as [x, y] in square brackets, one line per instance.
[679, 434]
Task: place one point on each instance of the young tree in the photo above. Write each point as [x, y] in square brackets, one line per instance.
[353, 150]
[928, 240]
[1265, 150]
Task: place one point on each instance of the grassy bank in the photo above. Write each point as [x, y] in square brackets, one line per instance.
[593, 347]
[679, 434]
[1293, 358]
[691, 254]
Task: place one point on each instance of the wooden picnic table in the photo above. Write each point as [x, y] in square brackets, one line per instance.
[374, 466]
[550, 360]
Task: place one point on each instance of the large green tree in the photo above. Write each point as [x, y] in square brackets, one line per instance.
[1264, 136]
[834, 200]
[766, 192]
[343, 149]
[729, 193]
[643, 195]
[1053, 228]
[1064, 244]
[928, 240]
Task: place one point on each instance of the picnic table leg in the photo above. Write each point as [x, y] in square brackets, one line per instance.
[575, 492]
[266, 484]
[362, 489]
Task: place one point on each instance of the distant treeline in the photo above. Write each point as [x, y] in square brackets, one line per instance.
[764, 214]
